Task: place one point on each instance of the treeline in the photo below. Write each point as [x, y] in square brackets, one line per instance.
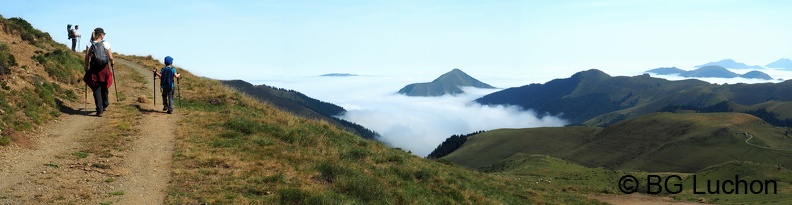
[358, 129]
[451, 144]
[723, 106]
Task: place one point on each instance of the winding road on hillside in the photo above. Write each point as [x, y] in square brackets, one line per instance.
[54, 168]
[763, 147]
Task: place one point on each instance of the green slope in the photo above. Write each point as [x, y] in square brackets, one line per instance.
[32, 92]
[489, 147]
[301, 105]
[550, 173]
[663, 142]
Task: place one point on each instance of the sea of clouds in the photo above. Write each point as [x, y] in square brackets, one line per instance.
[420, 124]
[417, 124]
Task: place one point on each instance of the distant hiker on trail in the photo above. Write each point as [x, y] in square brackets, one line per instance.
[98, 76]
[167, 75]
[73, 35]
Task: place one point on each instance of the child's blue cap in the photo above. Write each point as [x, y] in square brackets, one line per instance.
[168, 60]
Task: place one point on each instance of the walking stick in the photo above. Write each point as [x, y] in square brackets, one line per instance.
[178, 88]
[115, 85]
[85, 100]
[155, 88]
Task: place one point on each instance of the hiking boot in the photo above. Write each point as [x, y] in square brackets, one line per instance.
[99, 114]
[170, 111]
[164, 109]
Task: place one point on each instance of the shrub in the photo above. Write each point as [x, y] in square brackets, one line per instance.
[7, 60]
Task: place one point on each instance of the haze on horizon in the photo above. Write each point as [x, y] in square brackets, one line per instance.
[254, 40]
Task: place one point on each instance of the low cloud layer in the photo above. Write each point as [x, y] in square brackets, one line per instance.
[417, 124]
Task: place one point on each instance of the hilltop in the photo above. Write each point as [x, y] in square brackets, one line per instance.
[729, 63]
[448, 83]
[595, 98]
[784, 63]
[711, 71]
[663, 142]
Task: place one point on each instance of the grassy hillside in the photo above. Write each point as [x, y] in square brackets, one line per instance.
[301, 105]
[232, 149]
[550, 173]
[685, 142]
[492, 146]
[37, 75]
[663, 142]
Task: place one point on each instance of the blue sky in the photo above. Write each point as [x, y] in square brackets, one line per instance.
[255, 40]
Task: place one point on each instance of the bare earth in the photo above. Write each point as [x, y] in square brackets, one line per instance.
[50, 172]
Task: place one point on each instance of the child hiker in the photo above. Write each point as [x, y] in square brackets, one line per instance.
[167, 75]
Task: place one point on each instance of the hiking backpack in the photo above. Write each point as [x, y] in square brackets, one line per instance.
[71, 32]
[166, 81]
[99, 54]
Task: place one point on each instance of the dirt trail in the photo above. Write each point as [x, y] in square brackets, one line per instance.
[56, 169]
[150, 157]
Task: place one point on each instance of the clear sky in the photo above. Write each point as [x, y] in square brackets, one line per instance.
[254, 40]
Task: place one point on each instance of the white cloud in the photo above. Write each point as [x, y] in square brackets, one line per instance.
[417, 124]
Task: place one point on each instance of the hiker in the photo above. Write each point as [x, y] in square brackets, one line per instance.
[98, 76]
[73, 35]
[167, 75]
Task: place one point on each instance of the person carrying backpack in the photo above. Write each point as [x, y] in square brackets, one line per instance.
[98, 59]
[73, 35]
[167, 75]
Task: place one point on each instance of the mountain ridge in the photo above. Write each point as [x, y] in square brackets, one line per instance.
[301, 105]
[729, 63]
[593, 98]
[711, 71]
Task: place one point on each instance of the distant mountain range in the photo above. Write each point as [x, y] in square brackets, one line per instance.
[729, 63]
[300, 104]
[448, 83]
[711, 71]
[784, 63]
[595, 98]
[338, 75]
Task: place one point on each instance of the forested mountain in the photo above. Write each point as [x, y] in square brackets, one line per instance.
[300, 104]
[595, 98]
[448, 83]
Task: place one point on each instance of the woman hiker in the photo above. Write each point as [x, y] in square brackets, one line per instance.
[98, 76]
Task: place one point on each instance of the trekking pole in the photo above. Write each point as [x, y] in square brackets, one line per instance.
[85, 100]
[178, 89]
[155, 88]
[115, 85]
